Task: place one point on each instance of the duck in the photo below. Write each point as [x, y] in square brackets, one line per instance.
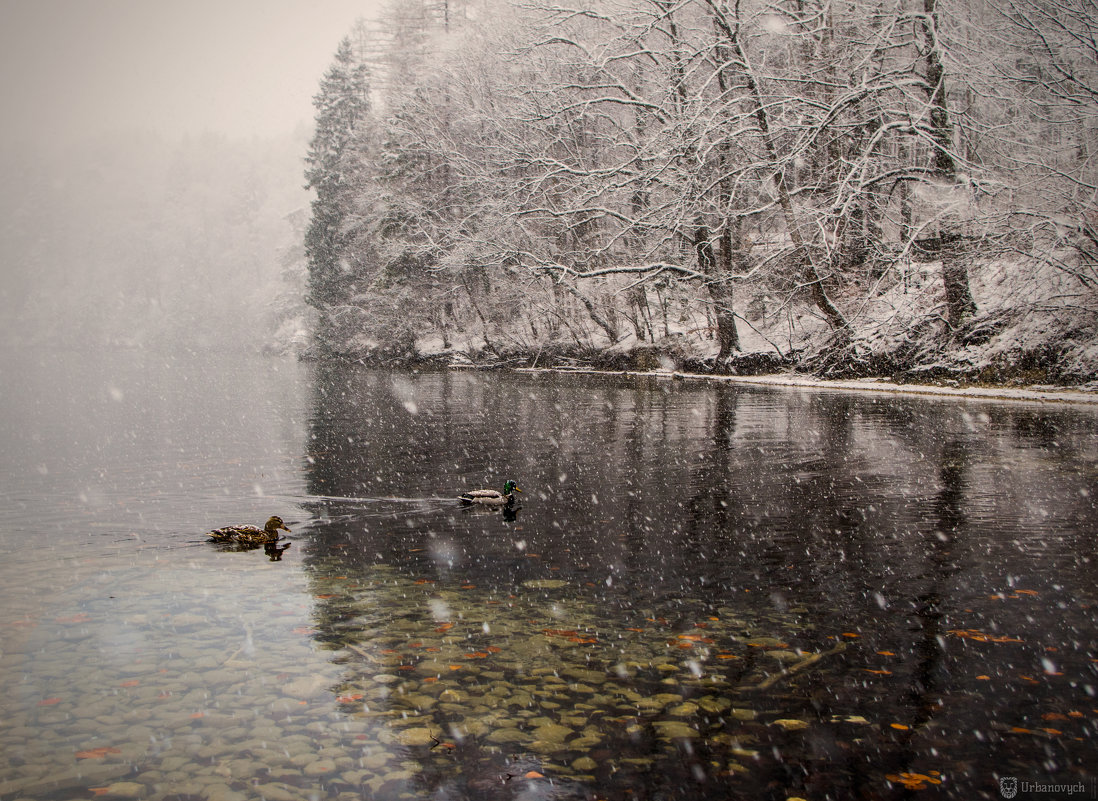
[250, 535]
[491, 497]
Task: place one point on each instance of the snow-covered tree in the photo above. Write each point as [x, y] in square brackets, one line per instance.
[334, 167]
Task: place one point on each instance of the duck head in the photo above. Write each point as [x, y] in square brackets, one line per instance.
[510, 487]
[274, 525]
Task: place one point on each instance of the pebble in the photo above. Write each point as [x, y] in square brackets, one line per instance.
[125, 790]
[674, 729]
[275, 792]
[320, 767]
[507, 736]
[783, 656]
[417, 736]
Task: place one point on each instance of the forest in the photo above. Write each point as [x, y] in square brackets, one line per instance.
[903, 188]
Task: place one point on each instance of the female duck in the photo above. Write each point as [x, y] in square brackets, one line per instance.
[249, 535]
[490, 497]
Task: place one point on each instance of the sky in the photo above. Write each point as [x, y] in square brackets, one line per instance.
[73, 68]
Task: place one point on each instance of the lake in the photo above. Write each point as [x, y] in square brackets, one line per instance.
[706, 591]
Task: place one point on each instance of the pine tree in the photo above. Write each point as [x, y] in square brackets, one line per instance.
[333, 166]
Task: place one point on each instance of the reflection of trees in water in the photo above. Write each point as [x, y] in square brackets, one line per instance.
[837, 512]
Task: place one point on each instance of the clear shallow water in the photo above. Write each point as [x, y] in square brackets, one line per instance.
[920, 569]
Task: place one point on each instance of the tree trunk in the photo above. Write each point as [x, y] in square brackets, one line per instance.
[958, 295]
[720, 290]
[959, 302]
[606, 323]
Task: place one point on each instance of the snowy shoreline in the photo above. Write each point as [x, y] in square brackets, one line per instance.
[1021, 394]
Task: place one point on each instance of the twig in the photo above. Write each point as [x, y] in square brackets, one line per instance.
[767, 683]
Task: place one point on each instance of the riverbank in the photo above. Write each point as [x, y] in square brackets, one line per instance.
[1047, 394]
[755, 369]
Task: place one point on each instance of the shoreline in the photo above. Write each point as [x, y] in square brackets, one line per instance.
[1018, 394]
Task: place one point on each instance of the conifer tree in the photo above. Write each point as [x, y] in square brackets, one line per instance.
[333, 167]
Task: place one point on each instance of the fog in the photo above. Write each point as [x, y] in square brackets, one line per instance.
[151, 173]
[133, 240]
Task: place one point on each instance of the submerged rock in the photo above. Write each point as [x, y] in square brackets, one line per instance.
[417, 737]
[507, 736]
[553, 732]
[674, 730]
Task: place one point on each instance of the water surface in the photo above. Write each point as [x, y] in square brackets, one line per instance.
[708, 591]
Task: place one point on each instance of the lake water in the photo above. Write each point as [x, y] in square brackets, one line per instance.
[708, 592]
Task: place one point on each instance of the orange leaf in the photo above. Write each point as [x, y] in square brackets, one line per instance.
[80, 618]
[914, 781]
[850, 634]
[130, 683]
[197, 715]
[984, 678]
[326, 595]
[900, 726]
[97, 753]
[887, 653]
[444, 627]
[99, 790]
[878, 672]
[533, 774]
[49, 701]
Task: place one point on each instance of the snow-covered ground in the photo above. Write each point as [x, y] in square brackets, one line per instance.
[1084, 395]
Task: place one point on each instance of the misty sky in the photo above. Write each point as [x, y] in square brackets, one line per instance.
[239, 67]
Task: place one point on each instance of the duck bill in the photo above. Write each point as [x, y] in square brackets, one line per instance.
[517, 489]
[284, 527]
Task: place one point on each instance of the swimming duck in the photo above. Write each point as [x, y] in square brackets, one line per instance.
[490, 497]
[249, 535]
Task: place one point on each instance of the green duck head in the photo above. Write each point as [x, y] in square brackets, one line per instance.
[273, 526]
[510, 487]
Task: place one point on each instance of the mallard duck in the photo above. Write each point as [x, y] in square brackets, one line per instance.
[490, 497]
[249, 535]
